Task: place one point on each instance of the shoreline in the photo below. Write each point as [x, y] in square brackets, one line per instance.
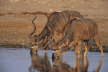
[28, 47]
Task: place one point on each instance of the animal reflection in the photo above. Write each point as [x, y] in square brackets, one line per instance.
[42, 64]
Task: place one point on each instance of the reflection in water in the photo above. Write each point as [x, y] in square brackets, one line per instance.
[42, 64]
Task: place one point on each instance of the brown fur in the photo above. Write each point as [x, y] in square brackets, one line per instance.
[55, 27]
[80, 31]
[58, 31]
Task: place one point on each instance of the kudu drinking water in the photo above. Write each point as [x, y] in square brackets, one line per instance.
[54, 29]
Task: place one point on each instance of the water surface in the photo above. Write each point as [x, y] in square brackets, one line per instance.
[19, 60]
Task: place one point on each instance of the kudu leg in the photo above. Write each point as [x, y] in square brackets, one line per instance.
[59, 50]
[34, 49]
[86, 48]
[56, 54]
[78, 47]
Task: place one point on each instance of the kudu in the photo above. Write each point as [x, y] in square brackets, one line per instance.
[78, 33]
[54, 29]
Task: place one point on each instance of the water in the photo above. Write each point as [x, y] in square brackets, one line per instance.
[19, 60]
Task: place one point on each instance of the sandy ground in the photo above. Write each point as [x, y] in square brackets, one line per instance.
[14, 29]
